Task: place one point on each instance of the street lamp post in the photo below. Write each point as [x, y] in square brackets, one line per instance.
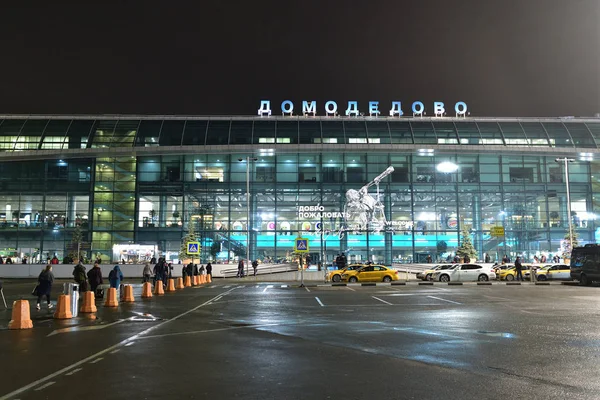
[566, 162]
[247, 159]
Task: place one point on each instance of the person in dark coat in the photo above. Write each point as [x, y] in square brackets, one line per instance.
[80, 277]
[95, 277]
[240, 271]
[115, 277]
[519, 268]
[195, 269]
[255, 266]
[184, 272]
[44, 288]
[209, 269]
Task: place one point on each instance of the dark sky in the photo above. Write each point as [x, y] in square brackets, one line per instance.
[502, 57]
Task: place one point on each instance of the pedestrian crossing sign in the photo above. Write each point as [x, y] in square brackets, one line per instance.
[301, 245]
[193, 248]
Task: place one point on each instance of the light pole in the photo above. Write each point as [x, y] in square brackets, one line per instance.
[247, 159]
[566, 162]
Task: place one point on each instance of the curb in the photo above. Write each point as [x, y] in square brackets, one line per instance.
[513, 283]
[484, 283]
[368, 284]
[339, 284]
[425, 283]
[455, 283]
[398, 283]
[542, 284]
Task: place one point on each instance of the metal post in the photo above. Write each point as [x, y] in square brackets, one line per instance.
[301, 271]
[566, 161]
[248, 215]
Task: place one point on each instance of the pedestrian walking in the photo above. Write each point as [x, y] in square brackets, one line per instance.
[488, 259]
[519, 269]
[255, 266]
[209, 269]
[147, 273]
[95, 278]
[240, 270]
[505, 259]
[115, 277]
[44, 287]
[80, 277]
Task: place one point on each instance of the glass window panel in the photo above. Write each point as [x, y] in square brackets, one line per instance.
[171, 132]
[31, 134]
[55, 133]
[445, 133]
[536, 135]
[124, 133]
[148, 133]
[423, 133]
[490, 133]
[468, 133]
[580, 134]
[356, 131]
[264, 132]
[195, 133]
[310, 132]
[400, 132]
[332, 130]
[378, 132]
[103, 133]
[241, 132]
[218, 132]
[287, 130]
[513, 134]
[78, 133]
[595, 130]
[9, 132]
[559, 136]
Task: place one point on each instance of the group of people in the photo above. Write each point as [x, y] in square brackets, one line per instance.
[87, 281]
[240, 268]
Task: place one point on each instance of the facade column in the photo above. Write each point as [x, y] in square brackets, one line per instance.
[477, 226]
[389, 236]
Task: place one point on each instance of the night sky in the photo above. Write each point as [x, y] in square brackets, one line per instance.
[502, 57]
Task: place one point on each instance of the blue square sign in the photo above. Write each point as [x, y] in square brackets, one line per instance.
[193, 248]
[301, 245]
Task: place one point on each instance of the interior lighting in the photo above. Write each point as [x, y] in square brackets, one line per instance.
[447, 167]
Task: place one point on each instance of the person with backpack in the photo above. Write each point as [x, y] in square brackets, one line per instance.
[115, 277]
[44, 286]
[80, 277]
[95, 278]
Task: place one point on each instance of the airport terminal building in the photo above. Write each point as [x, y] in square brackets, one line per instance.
[386, 189]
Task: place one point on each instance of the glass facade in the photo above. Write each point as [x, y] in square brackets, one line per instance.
[141, 181]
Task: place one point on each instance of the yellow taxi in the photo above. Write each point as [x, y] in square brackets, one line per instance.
[510, 274]
[336, 276]
[371, 273]
[549, 272]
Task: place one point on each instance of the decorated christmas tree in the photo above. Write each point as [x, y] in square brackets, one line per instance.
[466, 247]
[190, 237]
[567, 244]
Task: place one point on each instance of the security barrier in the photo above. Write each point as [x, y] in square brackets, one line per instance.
[21, 318]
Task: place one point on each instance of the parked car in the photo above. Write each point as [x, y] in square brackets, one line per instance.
[552, 272]
[585, 264]
[511, 273]
[336, 276]
[464, 273]
[371, 273]
[426, 275]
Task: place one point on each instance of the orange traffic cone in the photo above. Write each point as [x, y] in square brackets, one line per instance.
[180, 283]
[147, 290]
[195, 280]
[20, 316]
[63, 307]
[128, 294]
[203, 279]
[111, 298]
[171, 285]
[159, 290]
[188, 282]
[208, 278]
[89, 303]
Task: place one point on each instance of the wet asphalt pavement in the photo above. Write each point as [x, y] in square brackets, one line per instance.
[278, 341]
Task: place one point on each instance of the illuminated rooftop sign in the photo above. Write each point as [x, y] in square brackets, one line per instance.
[331, 109]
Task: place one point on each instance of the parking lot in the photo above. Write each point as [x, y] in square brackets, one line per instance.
[275, 340]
